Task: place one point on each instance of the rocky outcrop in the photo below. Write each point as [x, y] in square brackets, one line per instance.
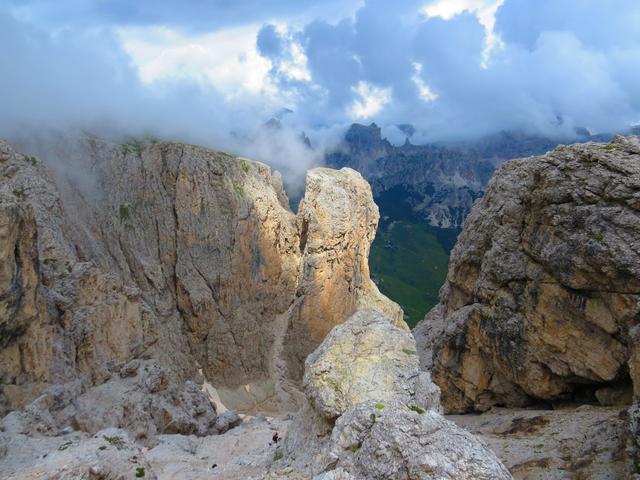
[178, 254]
[387, 429]
[362, 359]
[542, 295]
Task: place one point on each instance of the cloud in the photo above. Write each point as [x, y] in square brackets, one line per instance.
[464, 68]
[215, 72]
[84, 80]
[192, 16]
[371, 100]
[228, 59]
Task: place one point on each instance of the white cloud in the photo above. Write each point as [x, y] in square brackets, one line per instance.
[424, 91]
[485, 10]
[226, 59]
[372, 100]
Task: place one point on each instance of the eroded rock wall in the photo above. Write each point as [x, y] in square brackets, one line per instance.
[179, 254]
[542, 297]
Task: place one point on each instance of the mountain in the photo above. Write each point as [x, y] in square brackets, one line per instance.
[147, 287]
[542, 293]
[424, 193]
[188, 257]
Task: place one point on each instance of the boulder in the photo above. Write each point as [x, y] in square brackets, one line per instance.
[365, 358]
[373, 414]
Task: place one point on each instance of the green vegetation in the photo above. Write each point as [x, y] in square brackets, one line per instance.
[379, 406]
[373, 417]
[598, 237]
[244, 165]
[115, 441]
[139, 472]
[19, 192]
[408, 261]
[408, 351]
[277, 456]
[415, 408]
[124, 212]
[355, 449]
[137, 144]
[31, 160]
[238, 188]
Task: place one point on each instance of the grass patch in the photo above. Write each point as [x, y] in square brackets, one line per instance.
[19, 192]
[31, 160]
[355, 449]
[137, 145]
[415, 408]
[65, 445]
[379, 406]
[408, 351]
[244, 165]
[277, 455]
[238, 188]
[598, 237]
[409, 264]
[124, 212]
[139, 472]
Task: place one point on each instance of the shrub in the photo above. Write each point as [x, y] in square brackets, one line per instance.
[416, 409]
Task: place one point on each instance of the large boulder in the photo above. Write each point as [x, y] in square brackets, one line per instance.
[366, 358]
[371, 414]
[542, 297]
[399, 443]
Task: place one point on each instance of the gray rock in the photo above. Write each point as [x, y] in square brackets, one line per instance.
[226, 421]
[366, 358]
[543, 287]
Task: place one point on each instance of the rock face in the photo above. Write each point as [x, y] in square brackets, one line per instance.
[354, 429]
[178, 254]
[542, 295]
[371, 360]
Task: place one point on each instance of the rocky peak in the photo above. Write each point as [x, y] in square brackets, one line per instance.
[542, 295]
[365, 140]
[179, 254]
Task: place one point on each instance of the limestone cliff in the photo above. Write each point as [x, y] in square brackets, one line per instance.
[178, 254]
[542, 297]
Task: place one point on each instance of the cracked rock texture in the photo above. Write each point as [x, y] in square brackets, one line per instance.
[542, 294]
[365, 419]
[177, 254]
[366, 358]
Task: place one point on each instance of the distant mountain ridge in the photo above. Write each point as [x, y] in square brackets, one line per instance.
[437, 182]
[425, 193]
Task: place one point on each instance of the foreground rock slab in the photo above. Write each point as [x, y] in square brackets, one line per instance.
[572, 442]
[368, 416]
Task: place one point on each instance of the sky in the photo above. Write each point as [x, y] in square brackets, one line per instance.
[213, 72]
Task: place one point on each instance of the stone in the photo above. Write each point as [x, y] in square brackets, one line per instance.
[227, 421]
[365, 358]
[402, 444]
[364, 418]
[543, 288]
